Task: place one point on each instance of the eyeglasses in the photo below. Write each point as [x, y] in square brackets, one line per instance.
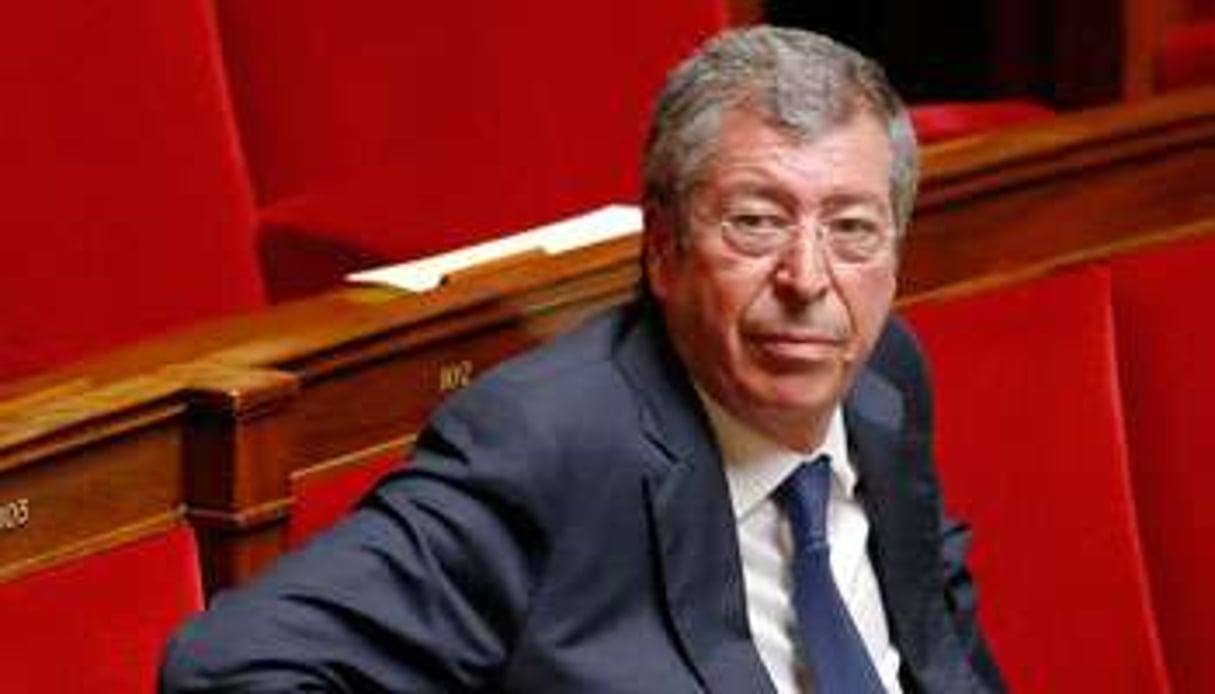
[847, 239]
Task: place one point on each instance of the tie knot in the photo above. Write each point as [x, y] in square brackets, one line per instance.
[804, 497]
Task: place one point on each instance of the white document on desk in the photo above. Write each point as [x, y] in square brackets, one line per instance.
[604, 224]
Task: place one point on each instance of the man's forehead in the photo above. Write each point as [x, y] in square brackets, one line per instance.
[749, 131]
[850, 162]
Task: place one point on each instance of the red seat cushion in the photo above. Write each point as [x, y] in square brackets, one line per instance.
[126, 211]
[321, 498]
[1187, 57]
[948, 120]
[1166, 341]
[99, 624]
[448, 125]
[1031, 451]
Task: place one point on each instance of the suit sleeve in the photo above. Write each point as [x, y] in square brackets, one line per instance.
[898, 356]
[421, 589]
[961, 600]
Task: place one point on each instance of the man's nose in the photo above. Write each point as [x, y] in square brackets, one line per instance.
[803, 270]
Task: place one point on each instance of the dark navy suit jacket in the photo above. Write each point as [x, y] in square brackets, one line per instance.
[565, 526]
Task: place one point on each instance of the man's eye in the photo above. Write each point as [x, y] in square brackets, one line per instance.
[853, 226]
[756, 223]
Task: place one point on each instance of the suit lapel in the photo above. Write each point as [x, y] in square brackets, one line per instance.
[692, 526]
[901, 498]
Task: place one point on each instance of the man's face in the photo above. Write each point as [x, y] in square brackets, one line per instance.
[777, 336]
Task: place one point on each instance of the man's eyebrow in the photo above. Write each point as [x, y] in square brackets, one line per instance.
[838, 201]
[758, 188]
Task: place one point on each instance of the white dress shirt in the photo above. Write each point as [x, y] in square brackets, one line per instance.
[755, 466]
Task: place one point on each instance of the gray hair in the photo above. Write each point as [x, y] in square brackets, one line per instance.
[802, 83]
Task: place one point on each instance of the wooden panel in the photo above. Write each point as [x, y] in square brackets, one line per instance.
[396, 385]
[1016, 198]
[98, 470]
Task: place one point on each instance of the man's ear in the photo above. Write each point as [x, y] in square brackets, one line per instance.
[658, 252]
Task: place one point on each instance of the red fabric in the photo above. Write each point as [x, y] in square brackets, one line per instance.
[1166, 342]
[322, 498]
[1200, 8]
[125, 208]
[1188, 56]
[395, 130]
[99, 624]
[944, 121]
[1032, 452]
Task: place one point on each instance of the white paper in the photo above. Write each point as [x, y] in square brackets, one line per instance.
[603, 224]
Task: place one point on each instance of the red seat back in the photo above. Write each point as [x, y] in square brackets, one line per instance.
[1166, 342]
[1031, 451]
[125, 208]
[388, 130]
[98, 624]
[1187, 56]
[935, 122]
[322, 497]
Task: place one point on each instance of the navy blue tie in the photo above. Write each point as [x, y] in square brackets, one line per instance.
[830, 642]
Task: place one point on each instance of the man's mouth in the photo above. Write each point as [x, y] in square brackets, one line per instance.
[794, 347]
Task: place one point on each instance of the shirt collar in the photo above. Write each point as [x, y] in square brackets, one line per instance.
[755, 465]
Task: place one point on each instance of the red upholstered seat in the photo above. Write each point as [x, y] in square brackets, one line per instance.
[1032, 452]
[99, 624]
[322, 498]
[1187, 57]
[125, 208]
[947, 120]
[1166, 347]
[381, 132]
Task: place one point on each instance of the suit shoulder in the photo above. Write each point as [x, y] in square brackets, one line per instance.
[568, 362]
[897, 357]
[898, 362]
[542, 430]
[547, 390]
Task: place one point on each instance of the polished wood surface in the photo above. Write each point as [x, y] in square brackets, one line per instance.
[216, 421]
[990, 204]
[84, 472]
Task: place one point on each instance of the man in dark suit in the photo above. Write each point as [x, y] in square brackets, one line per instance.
[625, 509]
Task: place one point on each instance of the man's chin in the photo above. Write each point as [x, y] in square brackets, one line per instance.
[802, 395]
[798, 421]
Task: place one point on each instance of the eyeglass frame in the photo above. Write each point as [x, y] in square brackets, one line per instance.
[787, 230]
